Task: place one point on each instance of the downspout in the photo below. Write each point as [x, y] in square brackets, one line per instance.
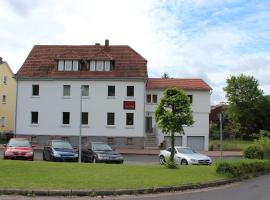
[16, 107]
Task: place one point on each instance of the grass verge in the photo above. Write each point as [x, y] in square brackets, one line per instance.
[47, 175]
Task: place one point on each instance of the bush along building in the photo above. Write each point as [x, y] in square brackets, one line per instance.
[110, 86]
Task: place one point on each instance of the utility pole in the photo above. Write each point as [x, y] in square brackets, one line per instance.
[80, 134]
[220, 136]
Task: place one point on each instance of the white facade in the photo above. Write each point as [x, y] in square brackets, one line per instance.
[200, 108]
[50, 104]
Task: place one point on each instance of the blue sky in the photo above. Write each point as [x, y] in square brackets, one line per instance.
[185, 38]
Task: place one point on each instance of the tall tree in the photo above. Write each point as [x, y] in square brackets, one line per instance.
[172, 113]
[244, 97]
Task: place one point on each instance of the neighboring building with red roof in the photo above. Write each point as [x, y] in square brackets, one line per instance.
[117, 99]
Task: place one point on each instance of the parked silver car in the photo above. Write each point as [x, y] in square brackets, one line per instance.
[184, 156]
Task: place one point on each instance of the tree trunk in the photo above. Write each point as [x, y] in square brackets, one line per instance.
[172, 147]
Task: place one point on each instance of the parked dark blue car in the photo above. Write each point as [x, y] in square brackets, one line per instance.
[59, 150]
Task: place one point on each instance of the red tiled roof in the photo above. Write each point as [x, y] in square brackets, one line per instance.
[186, 84]
[42, 61]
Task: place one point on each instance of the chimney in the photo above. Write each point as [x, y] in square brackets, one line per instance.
[97, 44]
[106, 43]
[1, 59]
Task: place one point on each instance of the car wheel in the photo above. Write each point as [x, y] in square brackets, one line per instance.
[162, 160]
[94, 160]
[184, 162]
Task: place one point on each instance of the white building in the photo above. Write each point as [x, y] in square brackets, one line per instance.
[114, 85]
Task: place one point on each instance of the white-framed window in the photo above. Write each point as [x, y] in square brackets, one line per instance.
[34, 117]
[66, 90]
[92, 65]
[61, 65]
[3, 121]
[4, 99]
[129, 119]
[84, 118]
[130, 91]
[5, 80]
[75, 65]
[66, 118]
[151, 98]
[100, 66]
[35, 90]
[85, 90]
[107, 66]
[68, 65]
[110, 118]
[111, 90]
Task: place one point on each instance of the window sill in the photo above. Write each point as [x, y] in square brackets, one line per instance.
[66, 97]
[111, 126]
[130, 98]
[85, 97]
[111, 97]
[34, 125]
[35, 97]
[66, 125]
[4, 102]
[85, 126]
[151, 103]
[130, 127]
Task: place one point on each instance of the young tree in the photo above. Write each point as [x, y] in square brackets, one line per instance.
[244, 97]
[172, 113]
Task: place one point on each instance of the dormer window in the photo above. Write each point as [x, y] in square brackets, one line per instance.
[68, 65]
[100, 65]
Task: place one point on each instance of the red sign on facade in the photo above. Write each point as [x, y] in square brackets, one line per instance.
[129, 105]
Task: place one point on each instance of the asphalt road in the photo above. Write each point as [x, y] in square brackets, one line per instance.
[254, 189]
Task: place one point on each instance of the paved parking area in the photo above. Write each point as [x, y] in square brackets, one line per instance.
[133, 158]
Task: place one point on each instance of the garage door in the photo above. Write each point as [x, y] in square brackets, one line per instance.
[196, 142]
[177, 141]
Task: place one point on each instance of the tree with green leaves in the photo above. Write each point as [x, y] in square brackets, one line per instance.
[173, 111]
[244, 97]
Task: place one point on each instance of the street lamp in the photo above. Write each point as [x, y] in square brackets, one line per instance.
[80, 131]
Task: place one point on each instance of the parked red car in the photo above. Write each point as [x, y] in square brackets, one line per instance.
[18, 149]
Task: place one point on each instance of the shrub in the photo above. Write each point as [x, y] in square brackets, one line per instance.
[261, 147]
[254, 152]
[244, 169]
[171, 164]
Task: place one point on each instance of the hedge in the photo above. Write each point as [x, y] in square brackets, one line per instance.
[244, 168]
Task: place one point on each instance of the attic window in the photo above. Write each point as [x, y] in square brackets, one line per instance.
[100, 65]
[68, 65]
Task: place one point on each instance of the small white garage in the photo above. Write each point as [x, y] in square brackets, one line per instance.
[196, 142]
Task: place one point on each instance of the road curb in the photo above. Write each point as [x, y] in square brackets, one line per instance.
[114, 192]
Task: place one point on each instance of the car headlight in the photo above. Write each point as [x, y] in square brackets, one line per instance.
[193, 160]
[56, 154]
[76, 155]
[101, 156]
[8, 153]
[29, 153]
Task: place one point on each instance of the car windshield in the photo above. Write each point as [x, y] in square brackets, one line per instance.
[61, 145]
[101, 147]
[185, 150]
[19, 143]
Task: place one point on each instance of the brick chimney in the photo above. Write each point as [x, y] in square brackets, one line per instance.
[107, 45]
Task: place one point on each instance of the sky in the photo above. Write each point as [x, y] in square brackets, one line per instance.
[208, 39]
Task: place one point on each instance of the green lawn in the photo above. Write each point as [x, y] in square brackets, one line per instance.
[47, 175]
[231, 144]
